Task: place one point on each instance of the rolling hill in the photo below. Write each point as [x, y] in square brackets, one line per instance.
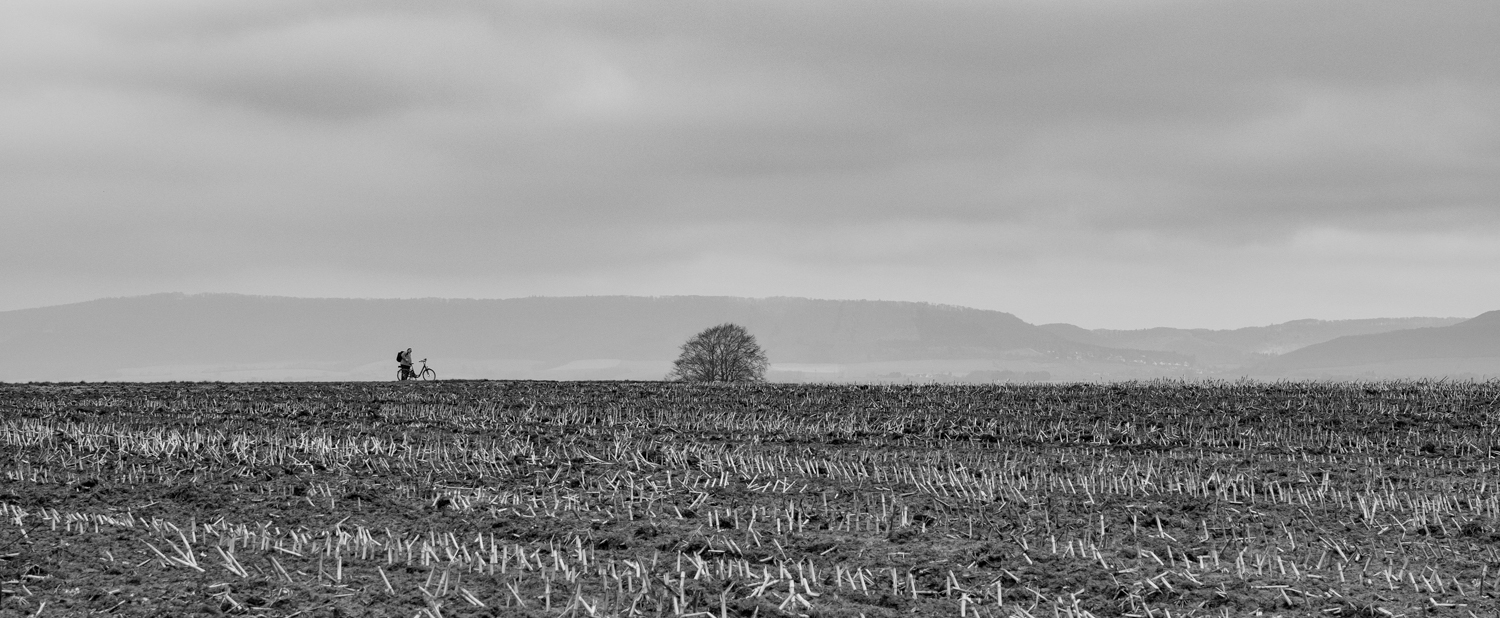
[1231, 349]
[238, 337]
[229, 336]
[1470, 348]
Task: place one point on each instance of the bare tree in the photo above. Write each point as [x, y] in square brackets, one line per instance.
[724, 353]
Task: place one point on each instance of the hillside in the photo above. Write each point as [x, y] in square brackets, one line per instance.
[1468, 347]
[1234, 348]
[228, 336]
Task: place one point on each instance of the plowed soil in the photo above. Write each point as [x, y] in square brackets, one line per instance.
[626, 499]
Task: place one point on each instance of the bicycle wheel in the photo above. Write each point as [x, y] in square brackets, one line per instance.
[400, 375]
[429, 374]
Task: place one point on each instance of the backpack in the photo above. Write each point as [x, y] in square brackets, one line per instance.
[400, 355]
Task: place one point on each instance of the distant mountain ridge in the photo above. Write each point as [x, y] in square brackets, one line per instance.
[111, 338]
[238, 337]
[1241, 347]
[1477, 338]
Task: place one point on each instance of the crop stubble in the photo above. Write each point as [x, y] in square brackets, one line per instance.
[614, 499]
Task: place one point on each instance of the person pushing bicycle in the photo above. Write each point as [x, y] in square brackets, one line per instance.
[407, 372]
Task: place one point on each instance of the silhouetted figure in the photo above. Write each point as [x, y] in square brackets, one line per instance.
[404, 359]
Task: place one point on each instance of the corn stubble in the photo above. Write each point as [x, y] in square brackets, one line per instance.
[652, 499]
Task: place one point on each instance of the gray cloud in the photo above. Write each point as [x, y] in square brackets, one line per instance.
[538, 148]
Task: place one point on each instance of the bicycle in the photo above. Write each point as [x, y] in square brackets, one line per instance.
[426, 373]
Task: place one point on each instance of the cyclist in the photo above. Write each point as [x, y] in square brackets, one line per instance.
[404, 359]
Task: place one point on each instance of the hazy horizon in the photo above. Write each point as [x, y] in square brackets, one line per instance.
[1106, 164]
[1039, 322]
[240, 337]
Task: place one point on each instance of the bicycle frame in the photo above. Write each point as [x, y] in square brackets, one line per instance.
[425, 373]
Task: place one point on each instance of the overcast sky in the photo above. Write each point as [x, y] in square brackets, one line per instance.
[1108, 163]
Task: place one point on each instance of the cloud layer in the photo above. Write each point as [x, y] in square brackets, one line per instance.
[1109, 163]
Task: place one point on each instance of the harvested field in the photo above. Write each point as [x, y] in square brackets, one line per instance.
[652, 499]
